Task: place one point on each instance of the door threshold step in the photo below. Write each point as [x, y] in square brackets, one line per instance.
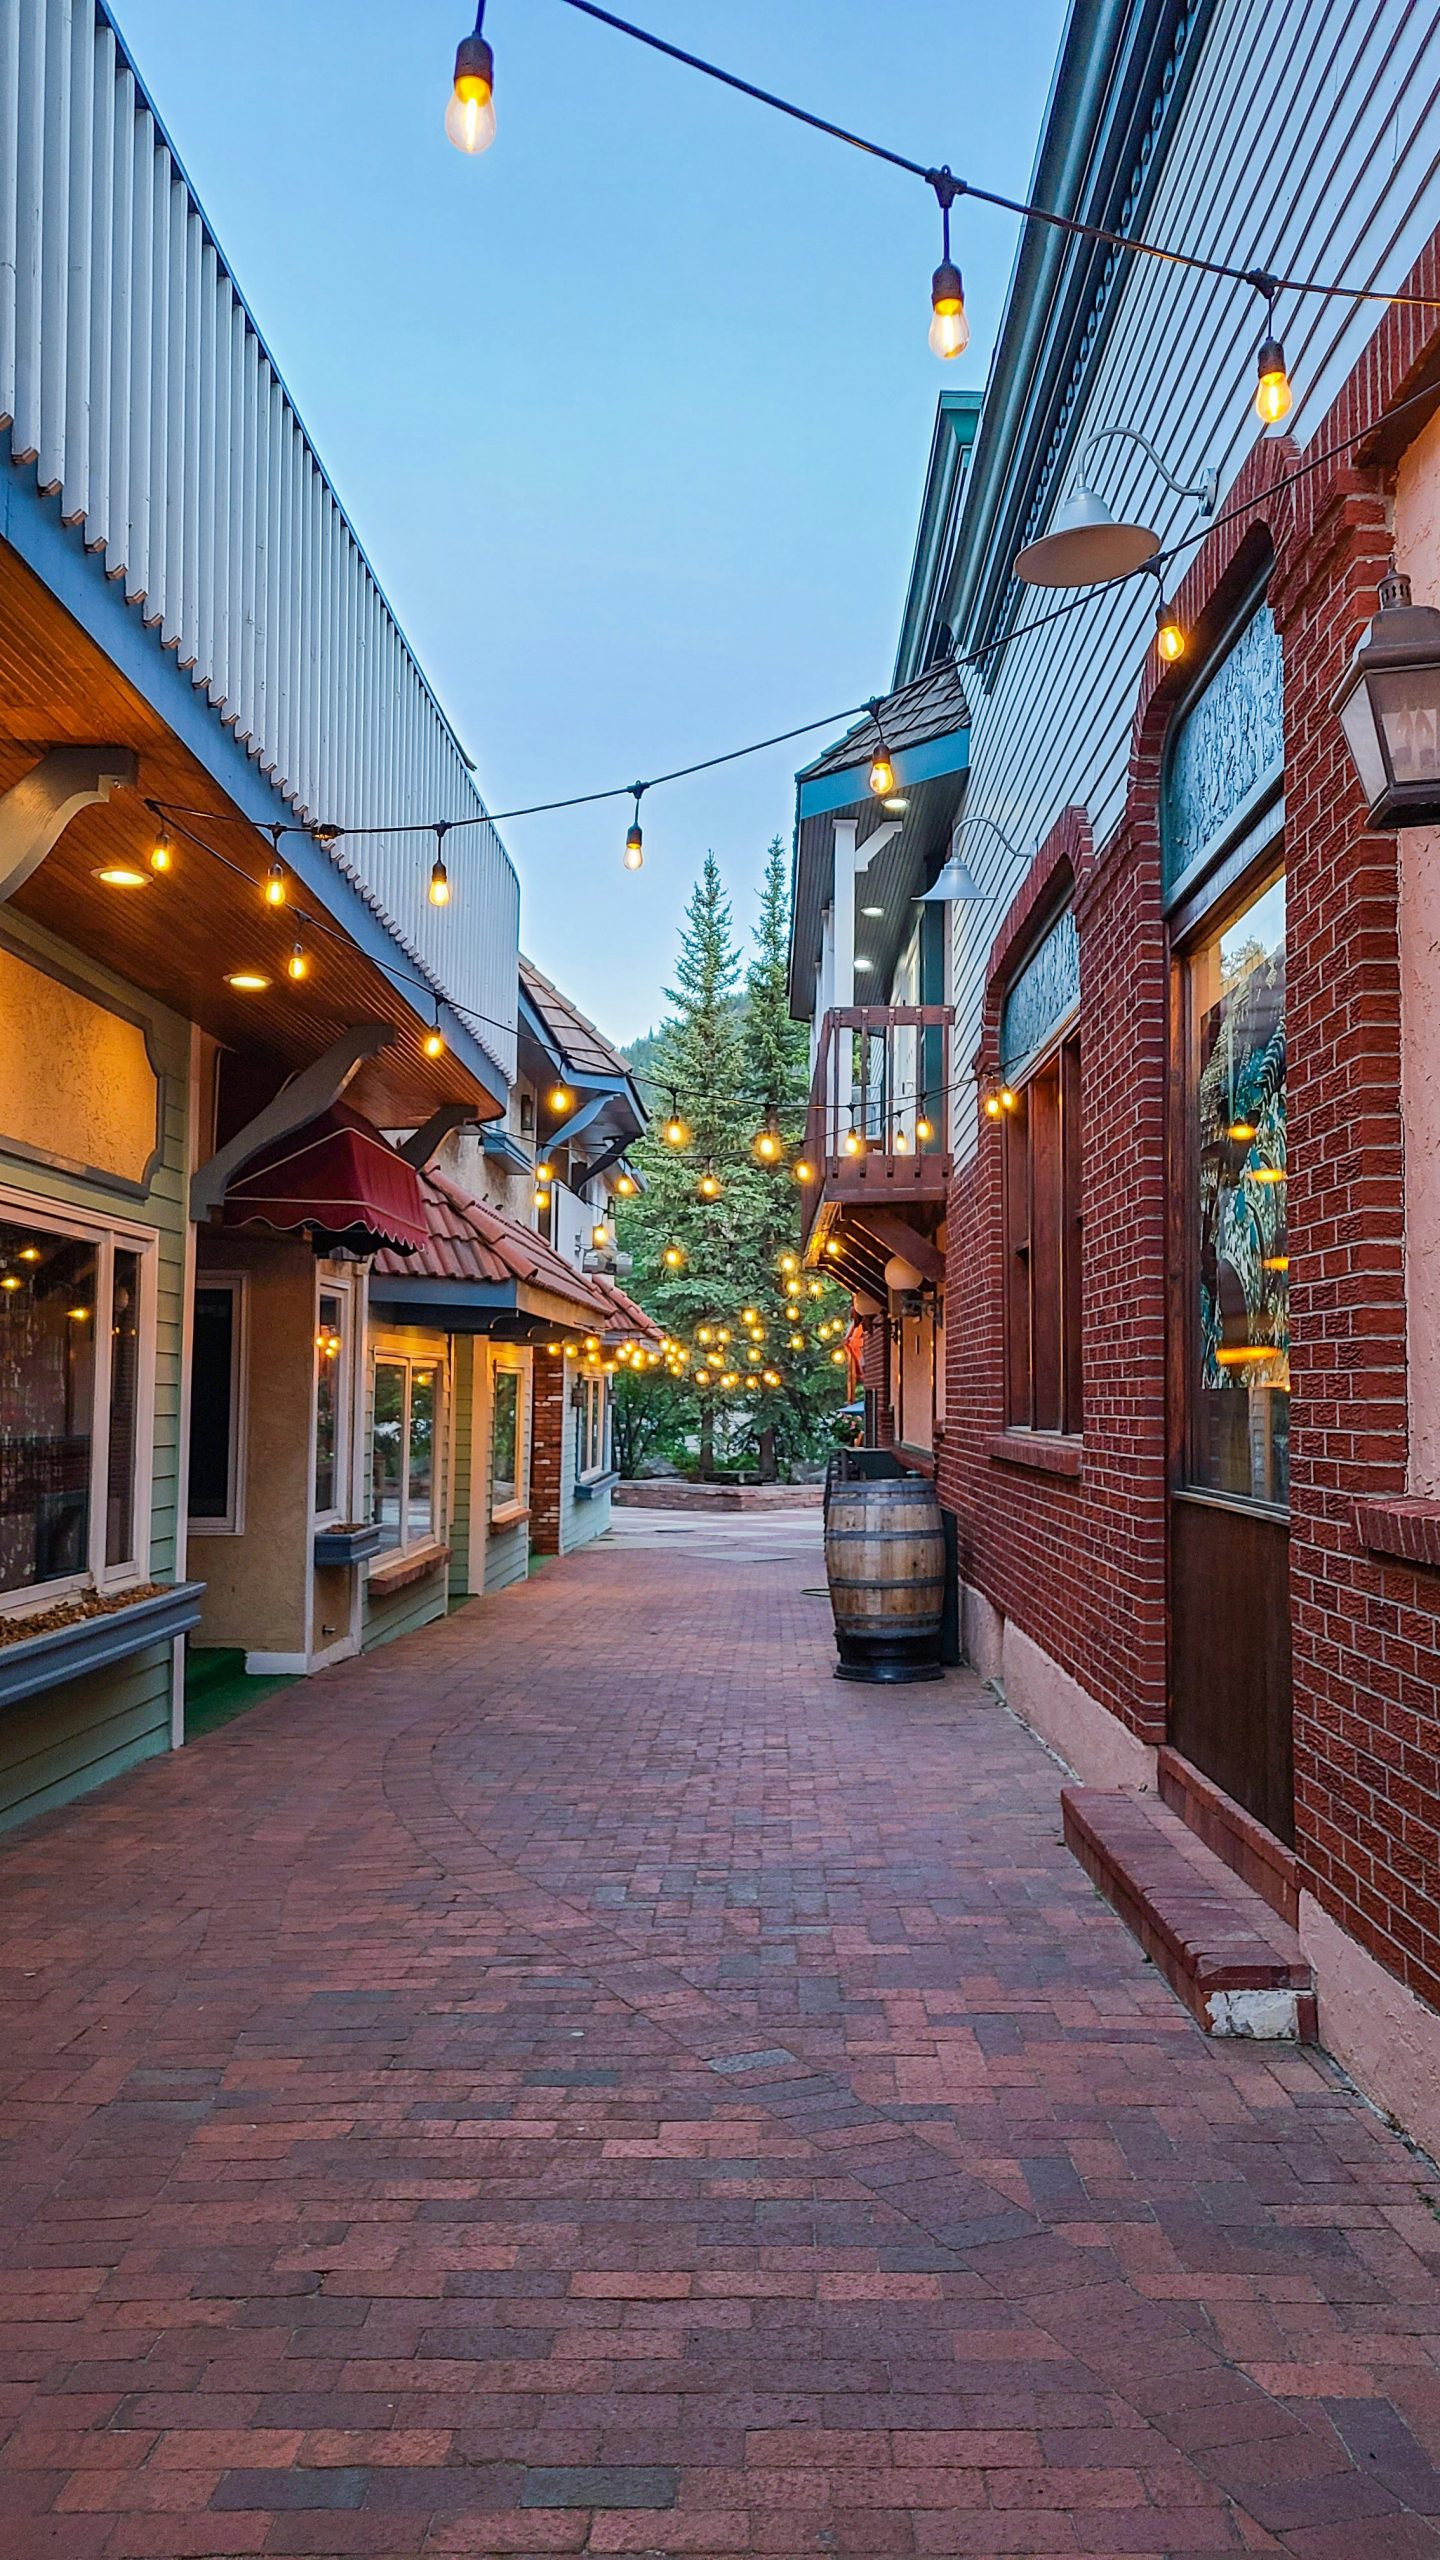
[1238, 1967]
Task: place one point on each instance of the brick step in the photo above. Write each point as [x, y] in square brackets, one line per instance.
[1238, 1967]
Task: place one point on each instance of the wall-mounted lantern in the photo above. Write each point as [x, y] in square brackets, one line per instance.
[1389, 709]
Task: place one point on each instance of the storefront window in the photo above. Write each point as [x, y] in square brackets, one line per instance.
[507, 1454]
[70, 1419]
[594, 1398]
[330, 1375]
[1240, 1403]
[406, 1428]
[1042, 1248]
[216, 1402]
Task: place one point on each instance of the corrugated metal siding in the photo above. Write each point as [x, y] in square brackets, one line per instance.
[1307, 143]
[134, 378]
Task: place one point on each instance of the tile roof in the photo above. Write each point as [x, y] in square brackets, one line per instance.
[588, 1050]
[469, 1241]
[933, 706]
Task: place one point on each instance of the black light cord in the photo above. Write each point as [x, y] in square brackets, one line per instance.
[1259, 279]
[1159, 561]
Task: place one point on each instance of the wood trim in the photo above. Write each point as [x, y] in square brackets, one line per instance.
[384, 1579]
[1048, 1453]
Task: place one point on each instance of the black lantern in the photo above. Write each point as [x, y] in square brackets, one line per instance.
[1389, 709]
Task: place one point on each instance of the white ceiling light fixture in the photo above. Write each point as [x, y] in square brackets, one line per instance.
[957, 882]
[1086, 545]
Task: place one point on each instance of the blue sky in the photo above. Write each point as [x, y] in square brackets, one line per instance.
[632, 413]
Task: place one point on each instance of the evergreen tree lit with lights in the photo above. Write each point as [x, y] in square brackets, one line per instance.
[716, 1234]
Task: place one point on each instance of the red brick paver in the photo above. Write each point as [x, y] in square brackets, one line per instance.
[583, 2080]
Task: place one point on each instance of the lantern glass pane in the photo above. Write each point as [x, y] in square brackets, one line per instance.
[1406, 702]
[1362, 737]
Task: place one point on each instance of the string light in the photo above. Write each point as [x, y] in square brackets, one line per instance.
[1169, 636]
[634, 839]
[803, 1169]
[559, 1098]
[675, 1132]
[162, 852]
[769, 1145]
[882, 771]
[470, 115]
[708, 1186]
[924, 1131]
[1274, 398]
[439, 876]
[949, 328]
[599, 1234]
[275, 884]
[298, 964]
[626, 1186]
[674, 1257]
[433, 1043]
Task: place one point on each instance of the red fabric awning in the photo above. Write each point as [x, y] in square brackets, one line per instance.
[337, 1175]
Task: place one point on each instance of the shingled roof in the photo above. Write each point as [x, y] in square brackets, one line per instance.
[587, 1050]
[469, 1241]
[932, 707]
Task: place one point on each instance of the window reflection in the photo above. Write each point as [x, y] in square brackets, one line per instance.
[1239, 1437]
[49, 1287]
[388, 1450]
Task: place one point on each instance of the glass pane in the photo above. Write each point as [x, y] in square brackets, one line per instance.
[505, 1440]
[124, 1409]
[329, 1371]
[212, 1391]
[424, 1399]
[1240, 1404]
[47, 1404]
[387, 1455]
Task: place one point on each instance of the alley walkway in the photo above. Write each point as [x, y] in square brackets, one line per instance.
[583, 2080]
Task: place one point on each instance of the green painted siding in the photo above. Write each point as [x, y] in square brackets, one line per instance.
[58, 1745]
[403, 1611]
[507, 1555]
[464, 1357]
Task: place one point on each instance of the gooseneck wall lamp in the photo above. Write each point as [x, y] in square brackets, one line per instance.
[957, 881]
[1086, 545]
[1389, 708]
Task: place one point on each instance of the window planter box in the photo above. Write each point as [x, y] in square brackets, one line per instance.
[398, 1572]
[34, 1663]
[590, 1488]
[348, 1546]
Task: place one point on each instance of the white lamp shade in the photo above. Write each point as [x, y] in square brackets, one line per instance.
[901, 1275]
[1085, 546]
[956, 881]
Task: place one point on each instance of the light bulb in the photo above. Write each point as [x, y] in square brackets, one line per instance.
[676, 1133]
[599, 1234]
[433, 1043]
[992, 1106]
[162, 854]
[901, 1142]
[702, 1377]
[298, 964]
[789, 1262]
[708, 1186]
[838, 1359]
[704, 1333]
[803, 1170]
[767, 1146]
[853, 1142]
[470, 115]
[949, 328]
[797, 1341]
[275, 884]
[626, 1187]
[772, 1377]
[673, 1257]
[634, 846]
[558, 1098]
[439, 884]
[1169, 638]
[882, 773]
[923, 1130]
[1008, 1100]
[1274, 398]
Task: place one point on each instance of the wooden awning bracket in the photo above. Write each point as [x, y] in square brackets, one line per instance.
[304, 1095]
[36, 810]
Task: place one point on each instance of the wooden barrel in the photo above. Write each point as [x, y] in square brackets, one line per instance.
[885, 1563]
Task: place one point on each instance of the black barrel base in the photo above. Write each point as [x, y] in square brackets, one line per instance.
[889, 1659]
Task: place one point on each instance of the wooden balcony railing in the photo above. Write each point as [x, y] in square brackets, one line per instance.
[878, 1128]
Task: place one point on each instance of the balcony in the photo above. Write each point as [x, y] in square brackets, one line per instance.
[878, 1126]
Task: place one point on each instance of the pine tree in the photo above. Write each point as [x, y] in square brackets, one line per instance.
[725, 1066]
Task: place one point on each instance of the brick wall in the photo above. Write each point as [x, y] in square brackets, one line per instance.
[1079, 1560]
[550, 1419]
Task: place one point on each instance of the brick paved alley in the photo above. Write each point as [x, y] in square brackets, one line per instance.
[582, 2080]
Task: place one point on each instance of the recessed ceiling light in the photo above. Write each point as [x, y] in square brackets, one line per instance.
[122, 875]
[872, 911]
[247, 982]
[863, 964]
[897, 804]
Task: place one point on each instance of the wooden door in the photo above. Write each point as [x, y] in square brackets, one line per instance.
[1230, 1707]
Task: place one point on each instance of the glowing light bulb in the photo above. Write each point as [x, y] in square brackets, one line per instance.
[853, 1142]
[470, 115]
[708, 1186]
[275, 884]
[634, 846]
[837, 1359]
[992, 1106]
[298, 964]
[789, 1262]
[558, 1098]
[673, 1257]
[439, 883]
[1274, 398]
[882, 773]
[433, 1043]
[771, 1377]
[949, 327]
[11, 1281]
[901, 1142]
[797, 1341]
[626, 1187]
[702, 1377]
[1008, 1100]
[162, 852]
[29, 1253]
[599, 1234]
[1242, 1131]
[1169, 637]
[767, 1146]
[803, 1170]
[924, 1131]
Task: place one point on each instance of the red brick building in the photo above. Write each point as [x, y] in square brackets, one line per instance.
[1189, 1422]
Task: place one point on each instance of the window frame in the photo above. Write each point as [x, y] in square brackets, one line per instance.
[594, 1405]
[342, 1286]
[1045, 1258]
[230, 1524]
[404, 1357]
[502, 1515]
[106, 1234]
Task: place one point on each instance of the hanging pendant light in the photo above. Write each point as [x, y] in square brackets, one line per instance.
[439, 876]
[634, 839]
[1274, 398]
[882, 771]
[470, 115]
[949, 327]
